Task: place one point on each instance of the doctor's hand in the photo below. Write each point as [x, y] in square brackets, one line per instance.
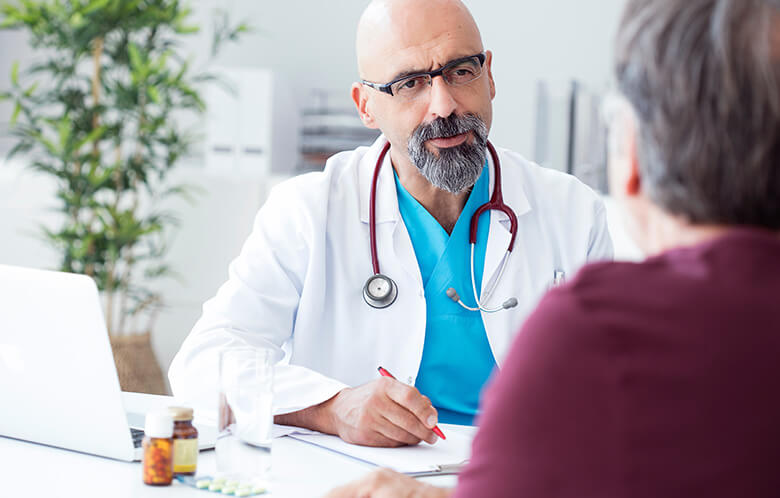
[384, 412]
[385, 483]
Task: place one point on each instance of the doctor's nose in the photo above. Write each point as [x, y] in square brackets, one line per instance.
[442, 103]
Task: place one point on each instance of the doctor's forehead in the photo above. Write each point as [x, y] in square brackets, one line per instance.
[400, 36]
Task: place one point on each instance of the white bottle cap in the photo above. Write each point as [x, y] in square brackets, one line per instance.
[159, 424]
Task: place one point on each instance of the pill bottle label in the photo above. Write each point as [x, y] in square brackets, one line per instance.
[185, 456]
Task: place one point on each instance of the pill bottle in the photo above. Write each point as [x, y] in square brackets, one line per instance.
[185, 441]
[158, 449]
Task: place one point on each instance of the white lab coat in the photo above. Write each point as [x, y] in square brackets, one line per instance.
[297, 284]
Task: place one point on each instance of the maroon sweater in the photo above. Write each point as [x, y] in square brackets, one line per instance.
[659, 379]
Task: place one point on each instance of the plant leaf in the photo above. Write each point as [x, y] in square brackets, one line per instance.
[187, 30]
[15, 115]
[135, 56]
[154, 94]
[15, 73]
[65, 131]
[19, 148]
[93, 136]
[28, 93]
[95, 5]
[9, 22]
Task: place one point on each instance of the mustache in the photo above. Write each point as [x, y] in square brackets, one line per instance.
[453, 169]
[450, 126]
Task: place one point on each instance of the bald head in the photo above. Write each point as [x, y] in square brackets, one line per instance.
[411, 30]
[434, 125]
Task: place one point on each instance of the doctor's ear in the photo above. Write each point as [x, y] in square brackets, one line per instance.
[489, 67]
[361, 103]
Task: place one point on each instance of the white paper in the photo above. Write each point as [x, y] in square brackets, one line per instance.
[287, 430]
[406, 459]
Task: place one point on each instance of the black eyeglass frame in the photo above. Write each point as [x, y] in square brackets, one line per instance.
[386, 88]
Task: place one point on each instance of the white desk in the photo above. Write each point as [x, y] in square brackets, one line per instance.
[299, 470]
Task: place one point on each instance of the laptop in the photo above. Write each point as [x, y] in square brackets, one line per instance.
[58, 382]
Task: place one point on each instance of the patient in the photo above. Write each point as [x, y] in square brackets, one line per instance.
[658, 379]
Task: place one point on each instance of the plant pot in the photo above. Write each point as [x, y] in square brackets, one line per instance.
[137, 365]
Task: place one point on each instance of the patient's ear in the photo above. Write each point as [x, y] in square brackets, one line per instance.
[360, 98]
[633, 181]
[623, 157]
[634, 202]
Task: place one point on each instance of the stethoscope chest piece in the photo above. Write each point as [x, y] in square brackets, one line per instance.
[380, 291]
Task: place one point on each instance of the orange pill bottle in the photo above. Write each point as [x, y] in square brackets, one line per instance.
[158, 449]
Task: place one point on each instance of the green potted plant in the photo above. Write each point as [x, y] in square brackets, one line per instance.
[100, 114]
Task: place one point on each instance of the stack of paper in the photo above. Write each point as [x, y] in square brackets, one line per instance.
[445, 457]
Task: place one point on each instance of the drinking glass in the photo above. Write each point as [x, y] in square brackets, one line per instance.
[245, 417]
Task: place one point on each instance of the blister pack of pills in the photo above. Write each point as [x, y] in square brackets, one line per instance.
[222, 485]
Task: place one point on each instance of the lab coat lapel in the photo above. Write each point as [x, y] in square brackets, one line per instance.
[500, 235]
[501, 327]
[404, 251]
[388, 215]
[498, 242]
[387, 199]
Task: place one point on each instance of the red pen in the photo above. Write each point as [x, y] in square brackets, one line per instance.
[436, 430]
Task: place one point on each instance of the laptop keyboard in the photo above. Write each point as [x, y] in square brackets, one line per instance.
[138, 436]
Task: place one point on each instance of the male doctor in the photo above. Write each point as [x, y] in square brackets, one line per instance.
[312, 279]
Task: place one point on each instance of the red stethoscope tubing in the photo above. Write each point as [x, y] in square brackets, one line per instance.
[496, 203]
[372, 210]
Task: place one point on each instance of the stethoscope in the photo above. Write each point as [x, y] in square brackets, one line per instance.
[381, 291]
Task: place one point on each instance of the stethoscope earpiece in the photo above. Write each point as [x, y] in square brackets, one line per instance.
[453, 294]
[380, 291]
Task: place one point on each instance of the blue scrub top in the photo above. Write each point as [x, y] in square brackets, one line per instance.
[457, 359]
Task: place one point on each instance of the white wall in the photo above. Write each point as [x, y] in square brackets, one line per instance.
[551, 40]
[311, 44]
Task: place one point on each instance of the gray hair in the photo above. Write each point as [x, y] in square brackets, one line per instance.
[455, 169]
[702, 77]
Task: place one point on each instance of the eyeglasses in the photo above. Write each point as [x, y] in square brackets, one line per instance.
[455, 73]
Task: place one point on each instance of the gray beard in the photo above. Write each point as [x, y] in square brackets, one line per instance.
[455, 169]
